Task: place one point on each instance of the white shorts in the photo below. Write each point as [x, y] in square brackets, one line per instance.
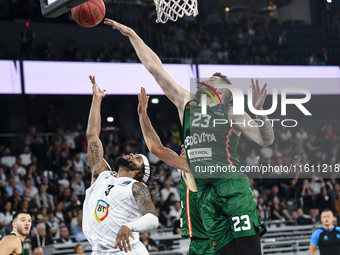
[137, 249]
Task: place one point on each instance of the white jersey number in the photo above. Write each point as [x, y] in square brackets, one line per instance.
[236, 221]
[205, 118]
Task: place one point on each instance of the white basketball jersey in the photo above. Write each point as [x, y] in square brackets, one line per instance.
[109, 204]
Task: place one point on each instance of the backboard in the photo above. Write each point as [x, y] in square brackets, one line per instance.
[55, 8]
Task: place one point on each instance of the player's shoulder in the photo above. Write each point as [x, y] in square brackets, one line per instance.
[12, 241]
[138, 188]
[139, 185]
[192, 101]
[318, 232]
[337, 229]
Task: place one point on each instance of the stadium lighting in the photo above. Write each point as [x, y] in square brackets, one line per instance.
[110, 119]
[155, 100]
[227, 9]
[329, 1]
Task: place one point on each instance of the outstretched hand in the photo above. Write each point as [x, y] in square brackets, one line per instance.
[97, 92]
[122, 239]
[143, 101]
[259, 95]
[115, 25]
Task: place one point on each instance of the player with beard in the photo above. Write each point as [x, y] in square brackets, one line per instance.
[118, 205]
[225, 199]
[12, 244]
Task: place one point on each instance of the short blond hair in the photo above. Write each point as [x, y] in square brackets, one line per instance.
[223, 77]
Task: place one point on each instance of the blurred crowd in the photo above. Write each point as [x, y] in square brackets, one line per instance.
[209, 39]
[48, 179]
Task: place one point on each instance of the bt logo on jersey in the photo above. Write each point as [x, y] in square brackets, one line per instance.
[101, 211]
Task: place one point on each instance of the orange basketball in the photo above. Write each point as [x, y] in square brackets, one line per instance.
[90, 13]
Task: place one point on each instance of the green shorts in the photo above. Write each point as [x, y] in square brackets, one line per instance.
[228, 210]
[201, 247]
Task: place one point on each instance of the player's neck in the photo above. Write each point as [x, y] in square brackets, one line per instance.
[329, 227]
[209, 100]
[126, 173]
[22, 237]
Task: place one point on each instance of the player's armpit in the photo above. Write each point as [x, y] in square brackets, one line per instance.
[143, 198]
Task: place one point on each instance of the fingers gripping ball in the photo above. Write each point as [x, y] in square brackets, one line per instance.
[90, 13]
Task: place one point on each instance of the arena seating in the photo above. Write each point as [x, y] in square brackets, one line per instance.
[278, 240]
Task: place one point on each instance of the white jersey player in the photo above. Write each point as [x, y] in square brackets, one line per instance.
[117, 206]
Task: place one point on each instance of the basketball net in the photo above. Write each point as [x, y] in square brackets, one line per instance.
[174, 9]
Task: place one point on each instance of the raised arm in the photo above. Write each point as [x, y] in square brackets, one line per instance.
[95, 148]
[152, 140]
[262, 134]
[176, 93]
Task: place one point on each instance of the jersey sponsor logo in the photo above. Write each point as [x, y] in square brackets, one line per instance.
[101, 211]
[199, 138]
[219, 110]
[125, 183]
[325, 238]
[200, 153]
[219, 113]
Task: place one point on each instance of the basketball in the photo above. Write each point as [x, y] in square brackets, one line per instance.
[90, 13]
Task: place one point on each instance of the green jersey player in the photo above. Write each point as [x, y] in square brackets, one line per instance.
[232, 228]
[12, 244]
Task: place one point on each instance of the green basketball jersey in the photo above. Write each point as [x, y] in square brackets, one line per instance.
[210, 144]
[22, 245]
[191, 222]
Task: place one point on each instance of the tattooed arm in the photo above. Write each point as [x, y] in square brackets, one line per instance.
[147, 222]
[95, 148]
[143, 198]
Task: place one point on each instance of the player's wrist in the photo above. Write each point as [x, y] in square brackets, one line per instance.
[126, 225]
[97, 97]
[131, 33]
